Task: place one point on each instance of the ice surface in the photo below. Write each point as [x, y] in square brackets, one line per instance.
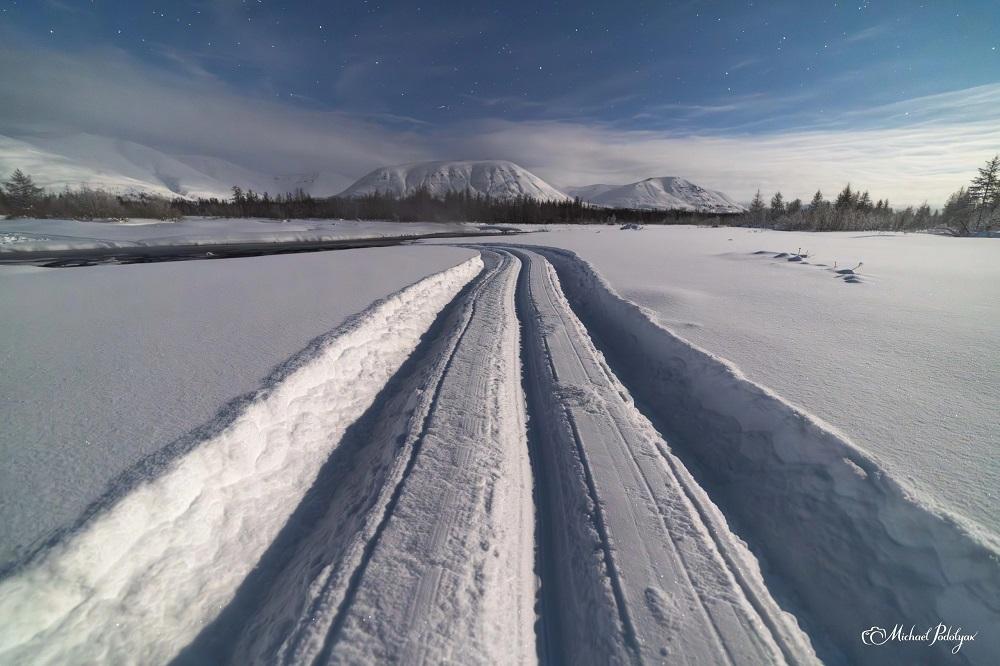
[32, 234]
[104, 365]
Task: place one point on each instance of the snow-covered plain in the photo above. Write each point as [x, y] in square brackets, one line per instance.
[512, 460]
[30, 235]
[105, 365]
[904, 361]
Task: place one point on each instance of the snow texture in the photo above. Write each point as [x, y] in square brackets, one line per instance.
[510, 461]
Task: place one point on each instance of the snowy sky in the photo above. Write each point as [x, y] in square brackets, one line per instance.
[901, 97]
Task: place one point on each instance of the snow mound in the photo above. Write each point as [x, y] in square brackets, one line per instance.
[667, 193]
[494, 178]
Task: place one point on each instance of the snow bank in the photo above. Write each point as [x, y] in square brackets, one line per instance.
[841, 542]
[142, 577]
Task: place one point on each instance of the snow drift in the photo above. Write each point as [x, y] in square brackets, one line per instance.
[667, 193]
[841, 543]
[495, 178]
[143, 576]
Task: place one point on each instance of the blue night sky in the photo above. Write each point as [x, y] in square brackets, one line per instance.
[681, 83]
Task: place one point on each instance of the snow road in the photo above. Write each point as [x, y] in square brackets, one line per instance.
[652, 572]
[506, 463]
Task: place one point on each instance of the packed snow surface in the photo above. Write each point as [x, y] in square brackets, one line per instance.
[122, 361]
[57, 161]
[667, 193]
[26, 235]
[495, 178]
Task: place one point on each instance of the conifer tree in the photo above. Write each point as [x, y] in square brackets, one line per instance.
[21, 194]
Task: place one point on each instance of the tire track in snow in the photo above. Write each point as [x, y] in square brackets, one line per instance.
[450, 577]
[146, 575]
[668, 591]
[403, 488]
[802, 495]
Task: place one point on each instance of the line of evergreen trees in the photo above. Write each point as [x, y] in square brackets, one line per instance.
[968, 211]
[422, 206]
[21, 197]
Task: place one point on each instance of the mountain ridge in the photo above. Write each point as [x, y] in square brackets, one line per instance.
[659, 193]
[57, 161]
[499, 179]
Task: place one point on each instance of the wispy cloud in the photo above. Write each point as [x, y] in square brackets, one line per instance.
[907, 164]
[865, 34]
[909, 158]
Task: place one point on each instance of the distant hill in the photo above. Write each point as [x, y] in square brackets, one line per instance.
[666, 193]
[496, 178]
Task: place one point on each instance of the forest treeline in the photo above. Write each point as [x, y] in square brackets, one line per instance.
[968, 211]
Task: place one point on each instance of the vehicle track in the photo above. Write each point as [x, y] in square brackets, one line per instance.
[676, 591]
[502, 500]
[448, 505]
[427, 503]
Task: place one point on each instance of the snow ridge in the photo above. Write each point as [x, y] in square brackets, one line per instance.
[494, 178]
[145, 576]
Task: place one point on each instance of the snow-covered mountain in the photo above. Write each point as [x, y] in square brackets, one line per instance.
[496, 178]
[57, 161]
[667, 193]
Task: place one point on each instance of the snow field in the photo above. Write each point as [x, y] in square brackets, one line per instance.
[683, 511]
[144, 577]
